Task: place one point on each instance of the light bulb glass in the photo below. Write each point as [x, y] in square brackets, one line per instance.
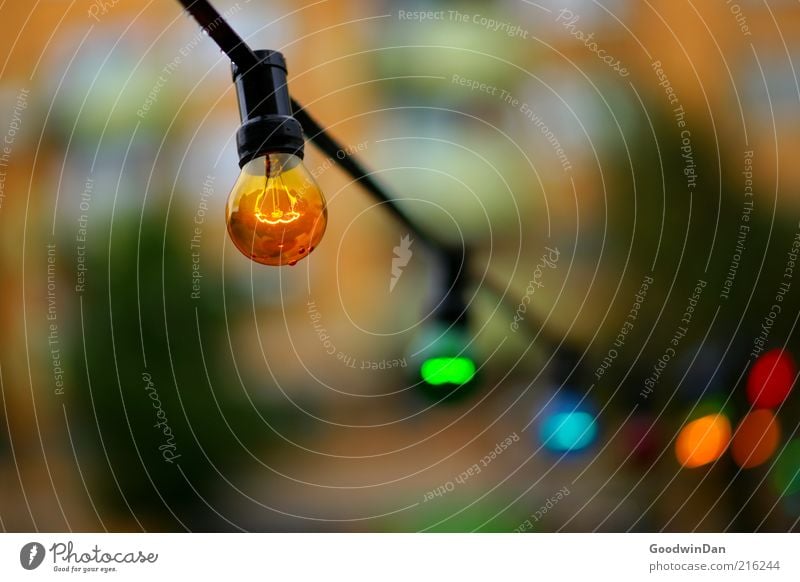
[276, 213]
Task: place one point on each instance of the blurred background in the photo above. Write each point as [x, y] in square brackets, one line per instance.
[622, 173]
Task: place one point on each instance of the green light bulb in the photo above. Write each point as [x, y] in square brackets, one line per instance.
[442, 362]
[452, 370]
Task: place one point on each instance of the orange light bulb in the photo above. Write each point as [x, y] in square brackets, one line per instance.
[276, 213]
[703, 441]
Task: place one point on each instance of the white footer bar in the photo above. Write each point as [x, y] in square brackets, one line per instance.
[401, 557]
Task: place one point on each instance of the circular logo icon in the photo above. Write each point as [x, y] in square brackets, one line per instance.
[31, 555]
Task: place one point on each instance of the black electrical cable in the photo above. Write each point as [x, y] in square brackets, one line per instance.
[350, 164]
[221, 32]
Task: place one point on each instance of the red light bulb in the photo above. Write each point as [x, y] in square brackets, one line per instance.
[771, 379]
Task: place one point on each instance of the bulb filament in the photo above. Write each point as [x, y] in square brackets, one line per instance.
[269, 206]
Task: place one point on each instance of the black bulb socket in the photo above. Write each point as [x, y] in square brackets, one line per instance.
[452, 308]
[265, 108]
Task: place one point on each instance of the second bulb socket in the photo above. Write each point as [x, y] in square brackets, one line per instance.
[266, 110]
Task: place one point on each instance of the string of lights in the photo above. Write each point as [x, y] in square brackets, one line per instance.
[286, 218]
[276, 212]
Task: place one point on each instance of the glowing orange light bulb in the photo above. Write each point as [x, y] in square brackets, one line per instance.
[276, 213]
[756, 439]
[703, 441]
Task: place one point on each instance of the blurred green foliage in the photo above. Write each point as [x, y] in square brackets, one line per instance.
[164, 413]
